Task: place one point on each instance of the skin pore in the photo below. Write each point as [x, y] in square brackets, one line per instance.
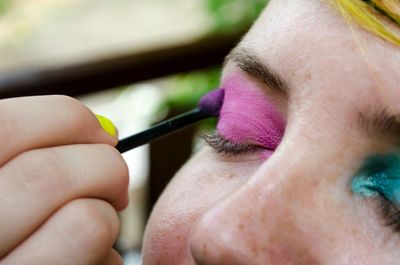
[296, 205]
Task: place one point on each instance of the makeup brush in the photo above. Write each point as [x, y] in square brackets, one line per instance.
[209, 106]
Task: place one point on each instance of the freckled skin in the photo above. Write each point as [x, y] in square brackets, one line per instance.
[295, 207]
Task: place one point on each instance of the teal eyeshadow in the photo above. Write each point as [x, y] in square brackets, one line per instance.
[379, 175]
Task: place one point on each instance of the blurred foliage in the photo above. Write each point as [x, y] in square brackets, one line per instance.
[187, 89]
[233, 15]
[4, 5]
[228, 15]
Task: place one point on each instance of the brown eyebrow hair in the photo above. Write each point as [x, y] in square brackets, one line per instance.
[380, 123]
[253, 66]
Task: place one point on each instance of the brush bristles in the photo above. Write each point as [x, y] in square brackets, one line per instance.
[211, 103]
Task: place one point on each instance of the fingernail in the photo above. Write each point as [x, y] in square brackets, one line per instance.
[107, 125]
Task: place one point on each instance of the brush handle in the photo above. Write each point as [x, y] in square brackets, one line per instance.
[162, 129]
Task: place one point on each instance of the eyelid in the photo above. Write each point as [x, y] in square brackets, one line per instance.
[224, 146]
[376, 179]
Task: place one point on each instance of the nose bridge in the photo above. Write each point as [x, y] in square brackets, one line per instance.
[257, 224]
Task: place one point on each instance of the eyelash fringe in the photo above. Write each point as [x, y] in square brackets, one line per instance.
[390, 212]
[226, 147]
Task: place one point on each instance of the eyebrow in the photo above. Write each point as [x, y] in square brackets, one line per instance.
[380, 123]
[253, 66]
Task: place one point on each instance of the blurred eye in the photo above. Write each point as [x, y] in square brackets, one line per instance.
[379, 178]
[224, 146]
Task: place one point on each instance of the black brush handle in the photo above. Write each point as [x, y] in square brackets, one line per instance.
[162, 129]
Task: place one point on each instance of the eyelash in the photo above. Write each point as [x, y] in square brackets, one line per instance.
[223, 146]
[390, 212]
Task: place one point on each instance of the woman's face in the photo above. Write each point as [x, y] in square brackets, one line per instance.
[292, 191]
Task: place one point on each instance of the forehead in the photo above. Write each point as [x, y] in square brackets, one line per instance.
[311, 45]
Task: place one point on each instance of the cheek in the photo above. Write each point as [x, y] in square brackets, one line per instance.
[197, 187]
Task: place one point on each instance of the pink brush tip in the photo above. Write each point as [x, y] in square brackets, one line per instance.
[211, 103]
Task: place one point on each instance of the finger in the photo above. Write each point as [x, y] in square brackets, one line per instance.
[36, 183]
[35, 122]
[80, 233]
[113, 258]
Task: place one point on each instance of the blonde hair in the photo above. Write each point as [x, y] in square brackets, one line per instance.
[375, 16]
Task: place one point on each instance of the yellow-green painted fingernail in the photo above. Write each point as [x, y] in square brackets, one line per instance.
[107, 125]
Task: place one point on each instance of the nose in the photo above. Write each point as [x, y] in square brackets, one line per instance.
[260, 224]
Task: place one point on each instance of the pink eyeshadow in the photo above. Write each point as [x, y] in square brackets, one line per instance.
[248, 115]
